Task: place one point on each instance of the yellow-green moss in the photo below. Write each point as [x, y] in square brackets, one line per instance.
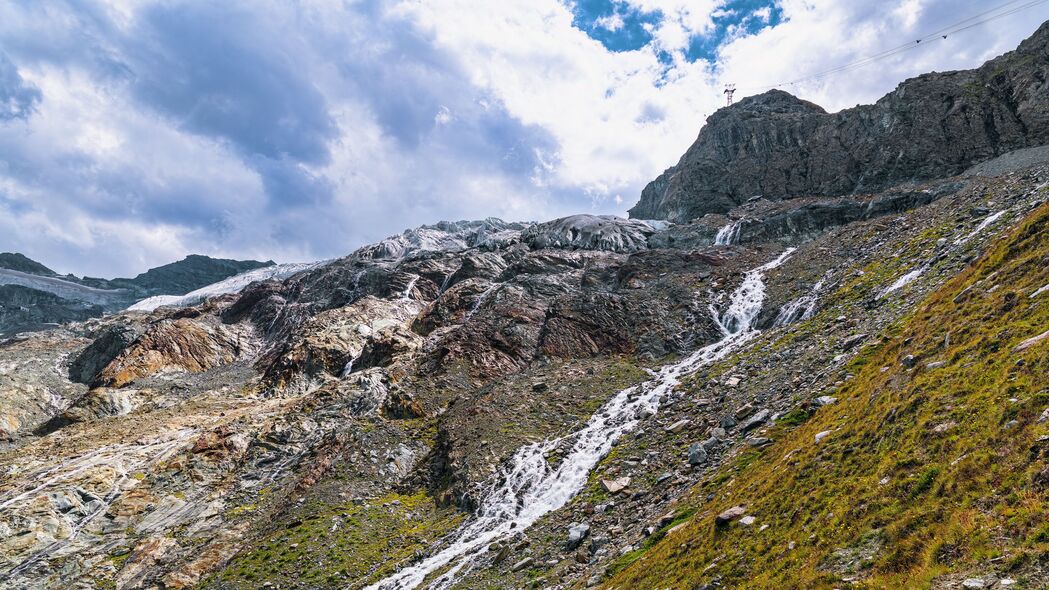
[927, 459]
[368, 542]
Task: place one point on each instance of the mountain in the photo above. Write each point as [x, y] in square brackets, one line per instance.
[777, 146]
[16, 261]
[178, 278]
[33, 296]
[822, 391]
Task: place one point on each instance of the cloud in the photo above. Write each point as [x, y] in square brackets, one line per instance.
[17, 98]
[132, 134]
[253, 131]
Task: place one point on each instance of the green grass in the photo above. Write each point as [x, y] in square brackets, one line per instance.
[370, 541]
[926, 459]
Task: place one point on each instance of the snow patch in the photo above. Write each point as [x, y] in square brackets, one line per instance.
[234, 284]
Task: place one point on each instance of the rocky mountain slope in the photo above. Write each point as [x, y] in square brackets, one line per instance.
[33, 296]
[777, 146]
[826, 391]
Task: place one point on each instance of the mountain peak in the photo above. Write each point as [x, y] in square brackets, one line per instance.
[933, 126]
[19, 262]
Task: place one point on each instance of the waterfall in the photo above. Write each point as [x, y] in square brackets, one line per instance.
[904, 280]
[800, 309]
[987, 221]
[729, 234]
[481, 299]
[411, 285]
[528, 487]
[445, 282]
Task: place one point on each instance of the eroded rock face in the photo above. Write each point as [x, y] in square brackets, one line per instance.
[179, 344]
[936, 125]
[87, 365]
[590, 232]
[32, 388]
[447, 236]
[23, 309]
[331, 341]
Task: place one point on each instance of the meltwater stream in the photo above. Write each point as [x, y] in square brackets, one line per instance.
[728, 234]
[529, 487]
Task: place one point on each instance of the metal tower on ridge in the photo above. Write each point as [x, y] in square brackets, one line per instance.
[729, 91]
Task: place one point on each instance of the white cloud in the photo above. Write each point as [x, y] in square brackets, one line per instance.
[612, 22]
[551, 74]
[425, 110]
[443, 116]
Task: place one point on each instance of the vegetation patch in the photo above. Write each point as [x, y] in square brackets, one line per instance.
[344, 546]
[934, 462]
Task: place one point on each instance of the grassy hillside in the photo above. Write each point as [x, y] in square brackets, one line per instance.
[933, 468]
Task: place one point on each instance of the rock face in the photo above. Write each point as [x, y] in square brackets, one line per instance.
[936, 125]
[590, 232]
[23, 309]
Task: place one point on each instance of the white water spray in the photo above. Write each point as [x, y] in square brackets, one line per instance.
[729, 234]
[987, 221]
[411, 286]
[481, 299]
[529, 487]
[904, 280]
[800, 309]
[347, 369]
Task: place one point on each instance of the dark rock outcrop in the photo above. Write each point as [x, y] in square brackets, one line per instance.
[178, 278]
[802, 223]
[932, 126]
[90, 361]
[19, 262]
[24, 309]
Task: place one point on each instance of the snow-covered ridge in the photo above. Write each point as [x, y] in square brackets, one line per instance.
[447, 236]
[575, 232]
[234, 284]
[62, 288]
[590, 232]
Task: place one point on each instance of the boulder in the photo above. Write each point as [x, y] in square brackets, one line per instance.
[614, 486]
[678, 426]
[697, 455]
[729, 515]
[577, 532]
[523, 564]
[756, 420]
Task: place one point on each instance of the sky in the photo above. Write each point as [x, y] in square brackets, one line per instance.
[135, 132]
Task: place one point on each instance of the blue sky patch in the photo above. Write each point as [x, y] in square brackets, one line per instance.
[622, 27]
[737, 18]
[618, 26]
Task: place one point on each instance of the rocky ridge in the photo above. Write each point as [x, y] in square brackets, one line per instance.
[777, 146]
